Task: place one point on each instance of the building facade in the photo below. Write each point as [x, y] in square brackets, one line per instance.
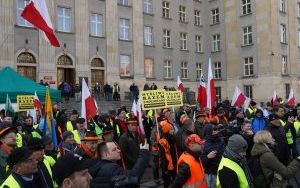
[254, 45]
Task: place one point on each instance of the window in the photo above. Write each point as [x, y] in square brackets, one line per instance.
[96, 25]
[287, 90]
[282, 33]
[165, 9]
[125, 66]
[197, 18]
[124, 2]
[167, 69]
[166, 38]
[248, 66]
[282, 6]
[218, 94]
[20, 20]
[247, 35]
[215, 16]
[184, 70]
[248, 91]
[246, 6]
[198, 43]
[198, 70]
[183, 41]
[63, 19]
[148, 6]
[124, 29]
[216, 43]
[217, 70]
[149, 68]
[148, 36]
[298, 10]
[284, 68]
[182, 14]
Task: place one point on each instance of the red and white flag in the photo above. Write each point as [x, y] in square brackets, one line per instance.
[139, 115]
[36, 12]
[275, 99]
[291, 100]
[202, 93]
[37, 103]
[210, 91]
[246, 103]
[88, 105]
[180, 86]
[238, 98]
[134, 108]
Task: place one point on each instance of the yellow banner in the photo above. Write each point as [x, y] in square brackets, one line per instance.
[173, 98]
[25, 102]
[153, 99]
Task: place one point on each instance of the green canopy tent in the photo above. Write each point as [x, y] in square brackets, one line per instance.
[13, 84]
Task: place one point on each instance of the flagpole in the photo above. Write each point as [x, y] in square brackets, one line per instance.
[156, 123]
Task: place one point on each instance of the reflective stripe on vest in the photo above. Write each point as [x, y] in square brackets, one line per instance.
[50, 160]
[197, 178]
[10, 182]
[98, 130]
[76, 137]
[236, 168]
[19, 140]
[288, 135]
[297, 126]
[69, 126]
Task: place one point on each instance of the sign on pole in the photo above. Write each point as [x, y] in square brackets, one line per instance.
[25, 102]
[153, 99]
[173, 98]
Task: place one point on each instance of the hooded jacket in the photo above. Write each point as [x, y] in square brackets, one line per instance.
[271, 166]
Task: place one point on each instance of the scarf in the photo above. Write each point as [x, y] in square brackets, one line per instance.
[228, 153]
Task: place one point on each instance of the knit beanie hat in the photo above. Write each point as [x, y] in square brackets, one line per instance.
[67, 134]
[166, 127]
[237, 143]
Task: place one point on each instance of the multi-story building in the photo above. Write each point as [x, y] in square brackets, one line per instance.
[254, 45]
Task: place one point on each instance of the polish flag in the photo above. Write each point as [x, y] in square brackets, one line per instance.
[37, 103]
[88, 105]
[275, 99]
[246, 103]
[180, 85]
[139, 115]
[291, 100]
[202, 93]
[38, 106]
[36, 12]
[134, 108]
[238, 98]
[211, 92]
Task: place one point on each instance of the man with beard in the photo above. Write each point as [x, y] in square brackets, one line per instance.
[190, 169]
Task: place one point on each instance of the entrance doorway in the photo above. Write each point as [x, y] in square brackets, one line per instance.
[66, 75]
[97, 74]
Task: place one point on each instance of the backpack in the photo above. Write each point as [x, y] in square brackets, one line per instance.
[255, 168]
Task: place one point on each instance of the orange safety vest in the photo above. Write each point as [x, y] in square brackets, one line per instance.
[197, 178]
[164, 143]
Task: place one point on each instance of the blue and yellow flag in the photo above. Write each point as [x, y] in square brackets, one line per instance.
[49, 126]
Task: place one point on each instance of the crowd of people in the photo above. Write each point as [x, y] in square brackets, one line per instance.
[225, 147]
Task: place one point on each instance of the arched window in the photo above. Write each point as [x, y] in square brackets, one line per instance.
[97, 62]
[26, 58]
[64, 60]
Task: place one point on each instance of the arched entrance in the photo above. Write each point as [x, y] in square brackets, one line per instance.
[65, 70]
[26, 65]
[97, 73]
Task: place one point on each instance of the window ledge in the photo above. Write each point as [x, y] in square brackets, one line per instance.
[129, 6]
[248, 77]
[98, 37]
[247, 14]
[246, 45]
[213, 24]
[152, 46]
[196, 25]
[25, 27]
[217, 79]
[185, 79]
[285, 75]
[183, 22]
[169, 48]
[282, 12]
[126, 77]
[148, 14]
[166, 18]
[284, 43]
[124, 40]
[184, 50]
[64, 32]
[199, 52]
[215, 51]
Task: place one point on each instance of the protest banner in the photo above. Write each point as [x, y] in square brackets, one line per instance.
[153, 99]
[174, 98]
[25, 102]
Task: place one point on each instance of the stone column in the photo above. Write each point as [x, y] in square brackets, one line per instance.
[81, 22]
[7, 33]
[46, 54]
[138, 43]
[112, 43]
